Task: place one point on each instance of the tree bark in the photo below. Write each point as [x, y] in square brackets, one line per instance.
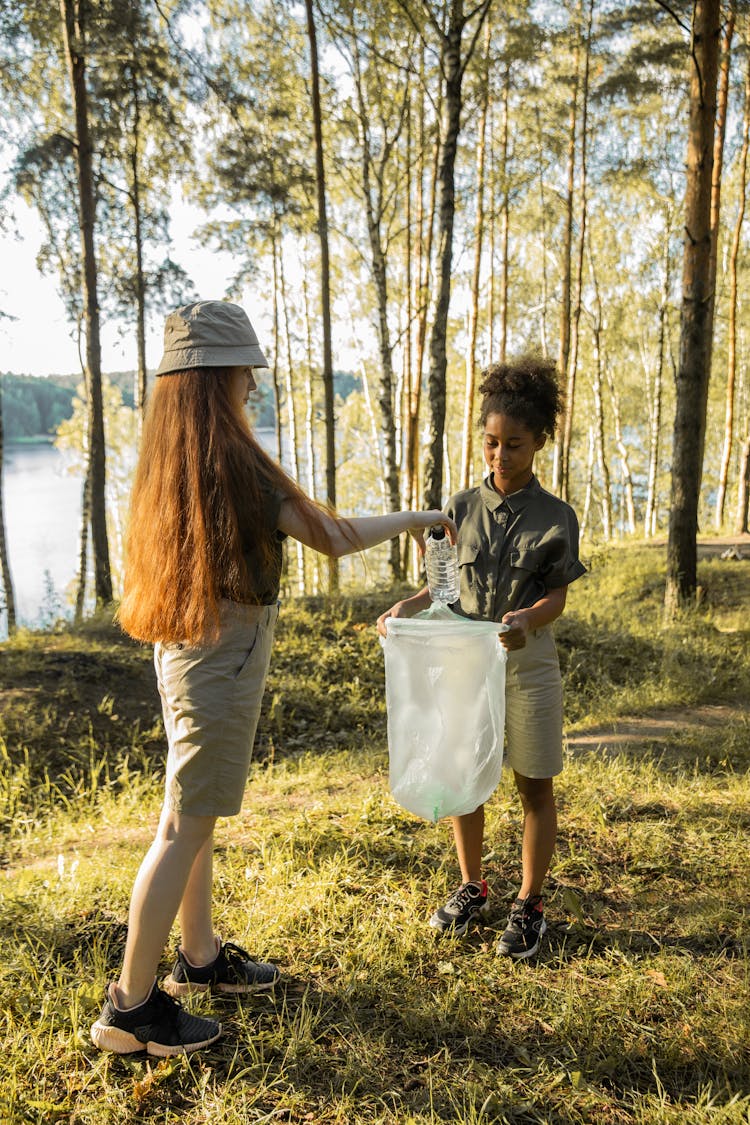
[572, 368]
[467, 445]
[10, 601]
[655, 403]
[567, 259]
[374, 194]
[726, 452]
[453, 70]
[73, 13]
[325, 281]
[695, 320]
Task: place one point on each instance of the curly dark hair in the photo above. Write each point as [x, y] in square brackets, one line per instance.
[526, 389]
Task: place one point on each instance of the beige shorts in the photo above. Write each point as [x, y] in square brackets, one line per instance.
[533, 707]
[211, 696]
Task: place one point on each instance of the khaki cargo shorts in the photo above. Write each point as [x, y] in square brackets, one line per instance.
[533, 707]
[211, 696]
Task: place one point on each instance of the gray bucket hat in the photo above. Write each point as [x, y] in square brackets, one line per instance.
[209, 334]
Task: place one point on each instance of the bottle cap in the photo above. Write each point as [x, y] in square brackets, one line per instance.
[437, 531]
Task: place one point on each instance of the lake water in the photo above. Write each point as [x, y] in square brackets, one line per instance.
[42, 505]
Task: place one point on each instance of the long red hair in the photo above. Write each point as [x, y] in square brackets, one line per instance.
[199, 465]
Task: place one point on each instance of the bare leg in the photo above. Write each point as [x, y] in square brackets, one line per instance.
[158, 890]
[468, 832]
[196, 921]
[539, 831]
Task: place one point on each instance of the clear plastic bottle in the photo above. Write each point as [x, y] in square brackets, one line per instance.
[441, 564]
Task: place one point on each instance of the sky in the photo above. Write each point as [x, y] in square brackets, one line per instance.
[38, 340]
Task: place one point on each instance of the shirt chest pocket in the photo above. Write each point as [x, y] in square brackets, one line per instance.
[526, 560]
[468, 556]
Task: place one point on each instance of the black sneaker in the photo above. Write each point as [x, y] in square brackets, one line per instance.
[232, 973]
[159, 1026]
[467, 903]
[525, 928]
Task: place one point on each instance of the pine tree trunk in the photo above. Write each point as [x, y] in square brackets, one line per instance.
[9, 598]
[325, 282]
[695, 321]
[743, 488]
[726, 452]
[446, 208]
[140, 281]
[312, 488]
[83, 547]
[467, 445]
[73, 21]
[599, 424]
[291, 414]
[373, 209]
[276, 335]
[505, 219]
[655, 403]
[572, 369]
[567, 259]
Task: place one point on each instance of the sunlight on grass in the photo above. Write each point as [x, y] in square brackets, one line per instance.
[637, 1009]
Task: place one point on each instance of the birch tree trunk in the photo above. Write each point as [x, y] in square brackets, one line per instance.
[73, 14]
[695, 321]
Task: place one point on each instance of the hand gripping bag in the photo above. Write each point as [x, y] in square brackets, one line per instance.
[445, 698]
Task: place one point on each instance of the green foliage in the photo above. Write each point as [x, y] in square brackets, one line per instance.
[33, 406]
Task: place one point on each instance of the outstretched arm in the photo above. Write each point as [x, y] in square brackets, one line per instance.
[337, 537]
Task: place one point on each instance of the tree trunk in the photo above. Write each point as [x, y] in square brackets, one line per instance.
[140, 282]
[10, 601]
[467, 445]
[543, 231]
[599, 426]
[743, 489]
[505, 223]
[83, 546]
[567, 258]
[374, 195]
[325, 282]
[73, 22]
[275, 369]
[655, 402]
[695, 320]
[291, 414]
[572, 369]
[722, 102]
[312, 487]
[452, 66]
[726, 452]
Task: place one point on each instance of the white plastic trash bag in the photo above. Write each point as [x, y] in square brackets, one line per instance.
[445, 697]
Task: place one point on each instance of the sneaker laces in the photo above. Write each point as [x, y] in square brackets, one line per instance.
[524, 909]
[463, 895]
[236, 957]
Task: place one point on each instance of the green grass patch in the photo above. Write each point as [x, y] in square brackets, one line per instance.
[637, 1009]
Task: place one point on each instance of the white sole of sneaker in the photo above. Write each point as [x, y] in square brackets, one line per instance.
[109, 1038]
[187, 988]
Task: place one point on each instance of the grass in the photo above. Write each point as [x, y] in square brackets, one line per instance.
[637, 1010]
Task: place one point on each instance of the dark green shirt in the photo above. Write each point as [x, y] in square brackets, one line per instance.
[512, 550]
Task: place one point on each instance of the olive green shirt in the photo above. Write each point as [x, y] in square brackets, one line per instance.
[265, 576]
[512, 550]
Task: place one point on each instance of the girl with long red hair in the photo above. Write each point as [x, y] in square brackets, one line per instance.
[209, 512]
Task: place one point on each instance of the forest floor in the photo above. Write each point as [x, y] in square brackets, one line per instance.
[637, 1008]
